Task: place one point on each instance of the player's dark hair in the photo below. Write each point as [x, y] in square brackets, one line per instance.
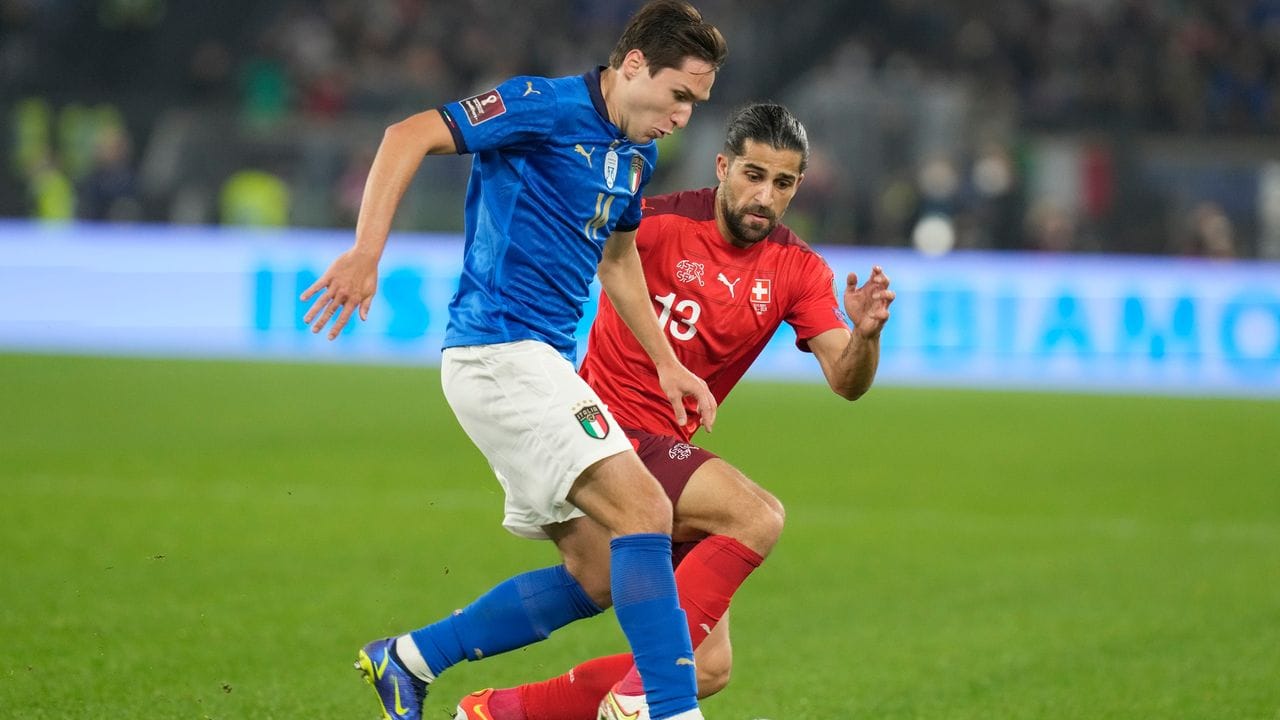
[667, 32]
[767, 123]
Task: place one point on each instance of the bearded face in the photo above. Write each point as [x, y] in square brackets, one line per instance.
[755, 190]
[748, 224]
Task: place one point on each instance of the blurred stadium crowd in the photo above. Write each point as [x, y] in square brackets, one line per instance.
[1137, 126]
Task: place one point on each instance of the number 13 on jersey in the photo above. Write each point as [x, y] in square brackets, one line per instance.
[678, 318]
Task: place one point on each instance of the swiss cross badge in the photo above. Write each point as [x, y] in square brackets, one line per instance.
[760, 295]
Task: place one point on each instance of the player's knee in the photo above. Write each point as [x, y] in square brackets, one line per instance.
[660, 509]
[713, 671]
[649, 510]
[620, 494]
[771, 522]
[761, 527]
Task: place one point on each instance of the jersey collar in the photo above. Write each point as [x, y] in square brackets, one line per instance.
[592, 79]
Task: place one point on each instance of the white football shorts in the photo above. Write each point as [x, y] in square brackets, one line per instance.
[537, 423]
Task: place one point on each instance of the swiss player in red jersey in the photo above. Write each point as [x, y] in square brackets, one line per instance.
[724, 276]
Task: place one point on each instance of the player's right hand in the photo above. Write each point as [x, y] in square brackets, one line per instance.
[678, 382]
[349, 283]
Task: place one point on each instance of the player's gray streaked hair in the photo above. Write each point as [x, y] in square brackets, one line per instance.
[768, 123]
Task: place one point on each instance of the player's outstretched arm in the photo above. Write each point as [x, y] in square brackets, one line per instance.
[352, 279]
[849, 359]
[622, 278]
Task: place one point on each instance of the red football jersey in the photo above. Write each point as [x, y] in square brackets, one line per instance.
[718, 304]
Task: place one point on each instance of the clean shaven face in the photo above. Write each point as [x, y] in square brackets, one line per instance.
[652, 107]
[755, 190]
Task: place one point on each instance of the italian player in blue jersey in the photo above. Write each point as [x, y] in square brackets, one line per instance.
[559, 166]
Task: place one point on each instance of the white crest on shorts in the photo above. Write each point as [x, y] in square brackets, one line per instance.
[680, 451]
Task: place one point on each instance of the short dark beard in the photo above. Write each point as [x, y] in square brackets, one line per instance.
[743, 235]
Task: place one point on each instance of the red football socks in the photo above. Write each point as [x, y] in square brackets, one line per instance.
[575, 694]
[706, 578]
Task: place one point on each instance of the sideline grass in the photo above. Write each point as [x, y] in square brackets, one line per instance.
[213, 540]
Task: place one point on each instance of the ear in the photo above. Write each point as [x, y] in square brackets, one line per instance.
[722, 167]
[633, 63]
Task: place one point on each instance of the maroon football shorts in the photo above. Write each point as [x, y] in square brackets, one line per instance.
[673, 461]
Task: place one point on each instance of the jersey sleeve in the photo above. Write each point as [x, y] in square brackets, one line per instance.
[817, 309]
[520, 111]
[645, 159]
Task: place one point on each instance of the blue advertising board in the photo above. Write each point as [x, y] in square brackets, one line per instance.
[1029, 321]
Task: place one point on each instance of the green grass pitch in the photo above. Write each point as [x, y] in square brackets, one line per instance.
[214, 540]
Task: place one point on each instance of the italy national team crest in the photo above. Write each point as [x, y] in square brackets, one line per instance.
[593, 422]
[637, 172]
[760, 295]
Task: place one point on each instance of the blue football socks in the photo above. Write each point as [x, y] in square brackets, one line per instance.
[519, 611]
[644, 597]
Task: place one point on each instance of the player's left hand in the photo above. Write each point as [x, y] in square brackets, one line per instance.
[868, 306]
[678, 382]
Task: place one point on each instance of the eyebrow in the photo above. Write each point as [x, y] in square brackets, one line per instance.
[765, 171]
[686, 91]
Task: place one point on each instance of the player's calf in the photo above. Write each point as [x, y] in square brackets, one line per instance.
[714, 658]
[584, 546]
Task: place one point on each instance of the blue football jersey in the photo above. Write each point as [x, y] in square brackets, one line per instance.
[551, 178]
